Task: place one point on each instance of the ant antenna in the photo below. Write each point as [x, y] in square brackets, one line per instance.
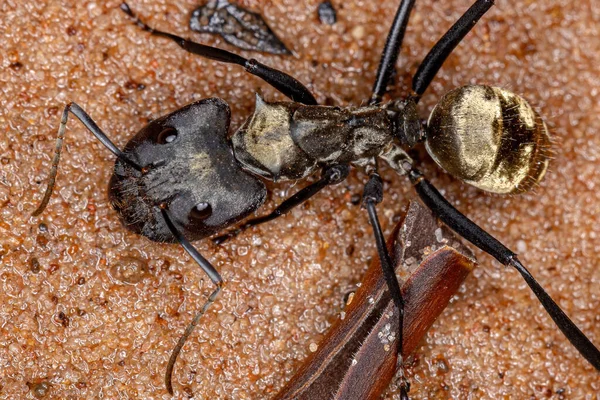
[92, 127]
[214, 277]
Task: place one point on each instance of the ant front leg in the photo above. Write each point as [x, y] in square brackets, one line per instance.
[286, 84]
[486, 242]
[331, 176]
[373, 195]
[214, 276]
[196, 256]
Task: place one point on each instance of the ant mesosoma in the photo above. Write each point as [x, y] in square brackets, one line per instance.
[181, 179]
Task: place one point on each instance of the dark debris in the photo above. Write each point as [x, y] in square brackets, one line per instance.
[238, 26]
[327, 14]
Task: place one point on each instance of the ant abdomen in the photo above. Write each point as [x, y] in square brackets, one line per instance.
[490, 138]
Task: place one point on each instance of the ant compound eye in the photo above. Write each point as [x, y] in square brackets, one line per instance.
[200, 212]
[167, 135]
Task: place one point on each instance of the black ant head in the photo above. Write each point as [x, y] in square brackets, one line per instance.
[188, 168]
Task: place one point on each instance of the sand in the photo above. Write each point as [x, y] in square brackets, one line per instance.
[90, 310]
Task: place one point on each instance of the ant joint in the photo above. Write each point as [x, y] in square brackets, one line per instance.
[398, 159]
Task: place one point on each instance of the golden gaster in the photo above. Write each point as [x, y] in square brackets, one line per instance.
[490, 138]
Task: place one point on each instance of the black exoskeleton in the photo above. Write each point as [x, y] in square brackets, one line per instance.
[189, 166]
[181, 178]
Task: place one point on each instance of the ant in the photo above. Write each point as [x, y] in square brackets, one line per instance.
[151, 191]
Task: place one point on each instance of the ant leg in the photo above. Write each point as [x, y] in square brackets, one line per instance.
[331, 176]
[286, 84]
[89, 123]
[373, 195]
[442, 49]
[214, 277]
[486, 242]
[391, 50]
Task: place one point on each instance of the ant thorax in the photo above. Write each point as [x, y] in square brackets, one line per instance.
[289, 141]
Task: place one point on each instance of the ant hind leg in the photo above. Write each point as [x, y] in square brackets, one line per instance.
[391, 50]
[441, 50]
[466, 228]
[434, 59]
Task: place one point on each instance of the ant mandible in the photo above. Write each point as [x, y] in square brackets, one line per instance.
[180, 179]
